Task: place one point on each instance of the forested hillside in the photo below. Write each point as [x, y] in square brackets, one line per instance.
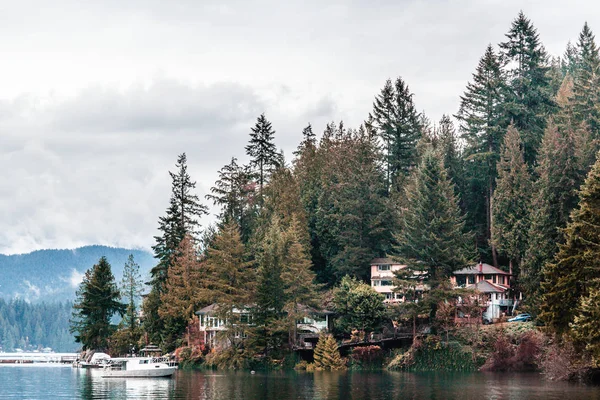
[53, 275]
[36, 326]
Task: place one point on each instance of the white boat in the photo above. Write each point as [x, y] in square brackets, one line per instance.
[138, 367]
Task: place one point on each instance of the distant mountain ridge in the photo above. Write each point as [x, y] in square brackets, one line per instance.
[54, 275]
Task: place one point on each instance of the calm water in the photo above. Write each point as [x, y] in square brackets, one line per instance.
[51, 382]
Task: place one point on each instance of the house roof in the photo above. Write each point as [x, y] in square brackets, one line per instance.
[208, 309]
[485, 269]
[486, 287]
[301, 307]
[384, 261]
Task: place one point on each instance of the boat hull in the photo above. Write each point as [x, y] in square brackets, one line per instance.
[142, 373]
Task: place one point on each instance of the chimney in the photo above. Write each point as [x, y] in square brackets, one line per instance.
[480, 267]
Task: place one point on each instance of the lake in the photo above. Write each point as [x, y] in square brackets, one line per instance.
[56, 382]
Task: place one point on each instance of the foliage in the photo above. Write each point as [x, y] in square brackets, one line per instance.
[585, 327]
[131, 291]
[358, 305]
[432, 354]
[529, 96]
[34, 326]
[397, 122]
[97, 301]
[569, 277]
[327, 356]
[511, 200]
[262, 151]
[185, 289]
[431, 240]
[367, 357]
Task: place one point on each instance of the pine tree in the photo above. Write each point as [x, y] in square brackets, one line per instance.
[308, 143]
[529, 98]
[397, 122]
[570, 60]
[131, 290]
[553, 199]
[97, 301]
[482, 127]
[181, 219]
[232, 277]
[327, 356]
[569, 277]
[448, 148]
[354, 216]
[185, 291]
[234, 193]
[511, 200]
[587, 82]
[585, 328]
[432, 238]
[262, 151]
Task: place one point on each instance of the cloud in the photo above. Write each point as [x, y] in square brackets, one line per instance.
[76, 278]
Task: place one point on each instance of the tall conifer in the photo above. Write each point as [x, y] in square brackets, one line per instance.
[262, 151]
[511, 201]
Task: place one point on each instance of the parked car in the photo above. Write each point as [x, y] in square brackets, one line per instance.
[520, 318]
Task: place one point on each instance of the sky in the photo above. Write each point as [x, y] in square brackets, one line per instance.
[97, 99]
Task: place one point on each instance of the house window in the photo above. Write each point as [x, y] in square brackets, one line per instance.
[389, 296]
[494, 279]
[386, 283]
[376, 283]
[487, 277]
[461, 280]
[471, 279]
[383, 267]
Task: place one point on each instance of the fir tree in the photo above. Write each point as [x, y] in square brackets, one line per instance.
[553, 199]
[586, 88]
[448, 148]
[327, 356]
[97, 301]
[354, 216]
[529, 98]
[131, 290]
[358, 306]
[482, 127]
[511, 201]
[232, 277]
[569, 277]
[569, 62]
[397, 122]
[233, 192]
[181, 219]
[262, 151]
[432, 239]
[185, 291]
[585, 328]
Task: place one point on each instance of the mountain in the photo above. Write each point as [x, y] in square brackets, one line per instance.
[54, 275]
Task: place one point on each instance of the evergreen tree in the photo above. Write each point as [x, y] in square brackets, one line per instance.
[181, 219]
[262, 151]
[553, 199]
[529, 99]
[449, 150]
[327, 356]
[234, 193]
[587, 82]
[570, 60]
[585, 328]
[131, 291]
[511, 201]
[397, 122]
[432, 240]
[482, 127]
[358, 306]
[354, 216]
[569, 278]
[185, 291]
[97, 301]
[232, 277]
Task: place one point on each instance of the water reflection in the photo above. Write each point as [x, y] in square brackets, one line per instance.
[69, 383]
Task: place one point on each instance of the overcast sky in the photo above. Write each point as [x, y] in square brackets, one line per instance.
[97, 99]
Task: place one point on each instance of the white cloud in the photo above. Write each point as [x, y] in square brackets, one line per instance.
[98, 100]
[76, 278]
